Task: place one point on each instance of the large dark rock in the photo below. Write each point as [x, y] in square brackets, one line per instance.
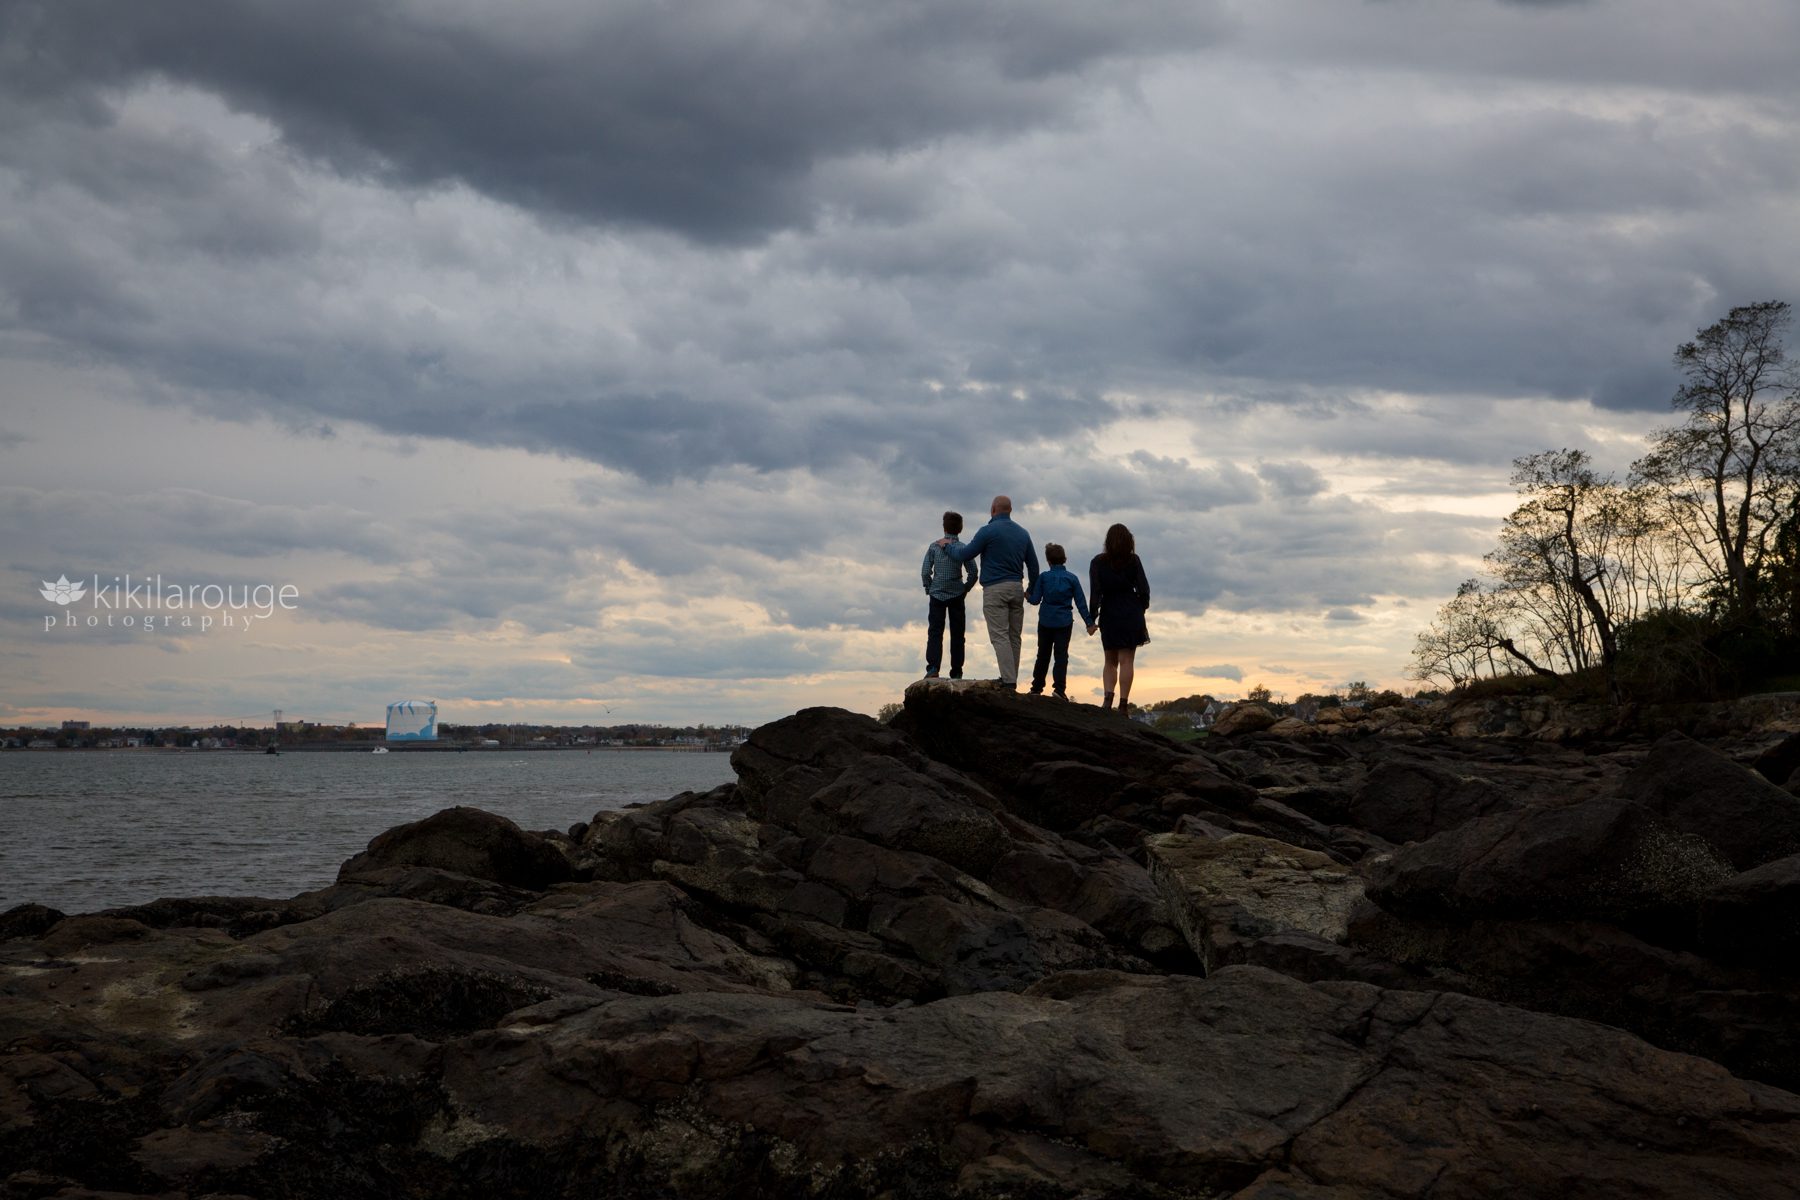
[1755, 917]
[1246, 718]
[1698, 790]
[1606, 859]
[1228, 893]
[28, 920]
[1410, 801]
[868, 919]
[1065, 795]
[825, 771]
[1100, 886]
[1677, 999]
[469, 842]
[1778, 763]
[997, 737]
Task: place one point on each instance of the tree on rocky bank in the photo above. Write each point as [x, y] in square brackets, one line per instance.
[1729, 474]
[1701, 539]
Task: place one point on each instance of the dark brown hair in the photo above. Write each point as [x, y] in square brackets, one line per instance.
[1120, 546]
[1054, 554]
[952, 523]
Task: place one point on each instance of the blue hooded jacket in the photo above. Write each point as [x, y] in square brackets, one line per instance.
[1057, 590]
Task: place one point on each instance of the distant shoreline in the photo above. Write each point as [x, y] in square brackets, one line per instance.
[364, 748]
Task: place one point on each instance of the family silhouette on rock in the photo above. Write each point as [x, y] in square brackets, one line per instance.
[1113, 604]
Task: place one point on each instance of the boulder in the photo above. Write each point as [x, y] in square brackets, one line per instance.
[1228, 892]
[998, 737]
[469, 842]
[1698, 790]
[1291, 727]
[1244, 718]
[705, 842]
[1606, 859]
[872, 919]
[1598, 971]
[28, 920]
[1778, 763]
[826, 771]
[1754, 917]
[1210, 783]
[1411, 801]
[1328, 803]
[1100, 886]
[824, 739]
[1063, 794]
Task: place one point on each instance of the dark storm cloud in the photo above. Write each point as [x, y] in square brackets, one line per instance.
[1516, 253]
[1725, 46]
[1244, 236]
[708, 116]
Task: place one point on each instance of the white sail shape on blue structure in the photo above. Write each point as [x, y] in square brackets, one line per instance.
[412, 721]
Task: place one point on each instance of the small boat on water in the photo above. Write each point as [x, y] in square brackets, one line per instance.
[271, 750]
[379, 750]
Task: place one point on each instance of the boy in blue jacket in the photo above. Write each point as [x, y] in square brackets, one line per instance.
[1056, 591]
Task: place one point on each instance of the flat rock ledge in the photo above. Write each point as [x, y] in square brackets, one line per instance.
[1002, 946]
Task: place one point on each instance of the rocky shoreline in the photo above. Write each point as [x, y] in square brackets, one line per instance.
[1000, 947]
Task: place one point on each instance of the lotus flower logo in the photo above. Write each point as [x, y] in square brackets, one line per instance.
[62, 591]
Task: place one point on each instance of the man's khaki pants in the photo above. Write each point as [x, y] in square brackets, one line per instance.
[1003, 604]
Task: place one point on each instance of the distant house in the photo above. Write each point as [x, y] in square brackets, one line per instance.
[1206, 716]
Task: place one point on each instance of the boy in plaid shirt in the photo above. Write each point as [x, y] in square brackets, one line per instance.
[942, 576]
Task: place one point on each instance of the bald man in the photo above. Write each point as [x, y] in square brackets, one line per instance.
[1009, 565]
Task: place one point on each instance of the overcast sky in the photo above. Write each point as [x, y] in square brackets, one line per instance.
[605, 361]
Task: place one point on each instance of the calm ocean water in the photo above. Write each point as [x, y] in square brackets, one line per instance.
[88, 829]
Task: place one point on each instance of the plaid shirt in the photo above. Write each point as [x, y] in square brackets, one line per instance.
[942, 574]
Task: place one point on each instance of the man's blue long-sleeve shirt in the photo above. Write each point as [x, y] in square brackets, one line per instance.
[1005, 548]
[1058, 590]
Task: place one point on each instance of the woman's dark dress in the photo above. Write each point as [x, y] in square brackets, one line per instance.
[1118, 599]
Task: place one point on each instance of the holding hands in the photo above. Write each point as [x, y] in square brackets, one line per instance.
[1091, 629]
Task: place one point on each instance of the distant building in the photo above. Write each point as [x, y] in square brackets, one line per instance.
[412, 721]
[75, 726]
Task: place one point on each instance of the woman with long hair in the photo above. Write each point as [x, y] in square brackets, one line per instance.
[1119, 594]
